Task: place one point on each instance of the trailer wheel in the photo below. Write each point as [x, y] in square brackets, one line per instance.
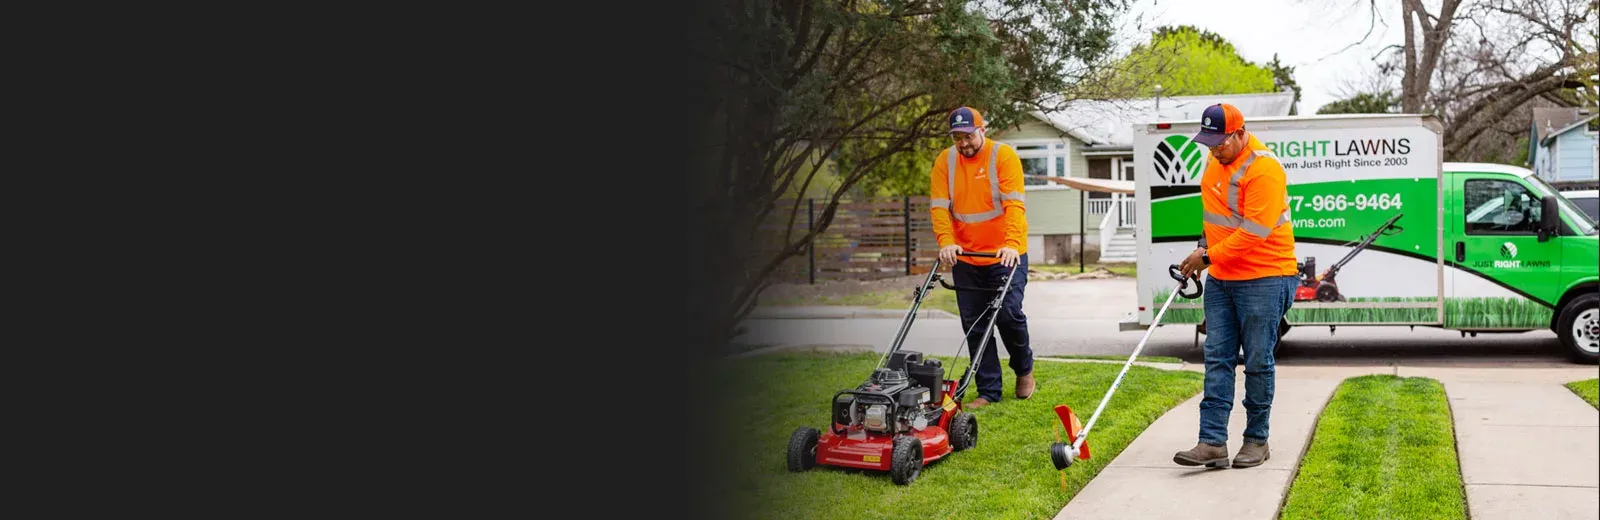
[1328, 292]
[1283, 327]
[963, 431]
[1579, 328]
[907, 461]
[803, 448]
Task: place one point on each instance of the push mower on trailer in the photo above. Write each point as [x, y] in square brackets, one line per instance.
[907, 414]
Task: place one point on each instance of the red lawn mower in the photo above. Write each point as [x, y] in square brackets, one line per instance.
[907, 414]
[1324, 288]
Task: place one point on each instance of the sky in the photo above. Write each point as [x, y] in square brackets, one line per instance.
[1308, 35]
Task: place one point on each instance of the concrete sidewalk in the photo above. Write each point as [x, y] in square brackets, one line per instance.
[1143, 482]
[1528, 446]
[1528, 450]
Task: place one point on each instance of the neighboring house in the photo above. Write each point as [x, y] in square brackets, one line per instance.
[1561, 149]
[1094, 139]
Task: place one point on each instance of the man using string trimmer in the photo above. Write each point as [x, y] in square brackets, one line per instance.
[1250, 282]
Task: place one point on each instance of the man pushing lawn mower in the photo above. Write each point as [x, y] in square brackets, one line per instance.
[976, 205]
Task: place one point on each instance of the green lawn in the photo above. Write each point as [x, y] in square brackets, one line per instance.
[1147, 359]
[1007, 475]
[1383, 448]
[1589, 390]
[937, 298]
[1129, 270]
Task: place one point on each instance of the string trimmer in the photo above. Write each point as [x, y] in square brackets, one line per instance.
[1063, 454]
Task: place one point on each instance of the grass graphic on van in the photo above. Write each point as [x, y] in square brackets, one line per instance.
[1368, 315]
[1496, 313]
[1459, 312]
[1179, 160]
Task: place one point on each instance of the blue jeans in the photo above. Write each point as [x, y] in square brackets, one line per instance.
[1242, 313]
[1011, 324]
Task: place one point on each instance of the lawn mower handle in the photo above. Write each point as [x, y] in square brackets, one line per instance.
[994, 307]
[1177, 274]
[963, 287]
[911, 314]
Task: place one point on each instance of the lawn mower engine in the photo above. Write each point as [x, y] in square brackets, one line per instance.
[893, 400]
[899, 419]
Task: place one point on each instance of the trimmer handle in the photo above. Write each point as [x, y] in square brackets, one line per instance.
[1177, 274]
[975, 253]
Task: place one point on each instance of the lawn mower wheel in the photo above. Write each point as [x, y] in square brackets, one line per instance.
[963, 431]
[803, 448]
[907, 461]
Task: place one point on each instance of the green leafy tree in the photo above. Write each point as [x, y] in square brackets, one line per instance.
[865, 84]
[1188, 61]
[1364, 103]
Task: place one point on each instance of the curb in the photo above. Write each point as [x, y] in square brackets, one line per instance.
[802, 348]
[1148, 364]
[810, 313]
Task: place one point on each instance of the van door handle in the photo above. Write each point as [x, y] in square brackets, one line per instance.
[1461, 251]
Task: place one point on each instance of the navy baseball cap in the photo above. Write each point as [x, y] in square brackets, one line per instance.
[965, 119]
[1217, 122]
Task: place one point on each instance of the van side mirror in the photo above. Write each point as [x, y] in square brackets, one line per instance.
[1549, 218]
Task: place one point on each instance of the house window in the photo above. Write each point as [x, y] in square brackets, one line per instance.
[1035, 166]
[1042, 159]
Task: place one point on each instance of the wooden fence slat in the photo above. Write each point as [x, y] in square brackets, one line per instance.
[901, 250]
[866, 230]
[894, 248]
[866, 239]
[861, 274]
[859, 206]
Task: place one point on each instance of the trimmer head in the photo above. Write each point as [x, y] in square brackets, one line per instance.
[1062, 453]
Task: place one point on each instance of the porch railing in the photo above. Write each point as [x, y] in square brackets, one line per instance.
[1119, 213]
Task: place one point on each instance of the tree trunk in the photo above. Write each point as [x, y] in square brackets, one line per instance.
[1419, 69]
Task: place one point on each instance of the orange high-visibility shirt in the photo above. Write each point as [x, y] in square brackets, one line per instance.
[1248, 232]
[985, 212]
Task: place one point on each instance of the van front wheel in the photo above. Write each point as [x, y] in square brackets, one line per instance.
[1579, 328]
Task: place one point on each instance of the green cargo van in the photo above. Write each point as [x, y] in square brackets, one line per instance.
[1386, 233]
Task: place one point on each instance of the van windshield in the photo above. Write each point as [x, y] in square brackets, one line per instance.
[1585, 225]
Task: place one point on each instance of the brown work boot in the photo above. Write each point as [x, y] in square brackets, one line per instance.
[1251, 455]
[1203, 455]
[977, 403]
[1025, 386]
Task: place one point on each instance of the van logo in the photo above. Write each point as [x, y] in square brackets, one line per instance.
[1179, 160]
[1508, 250]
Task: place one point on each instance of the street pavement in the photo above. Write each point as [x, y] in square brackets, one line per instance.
[1080, 317]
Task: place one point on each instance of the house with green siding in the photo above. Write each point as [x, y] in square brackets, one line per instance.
[1094, 139]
